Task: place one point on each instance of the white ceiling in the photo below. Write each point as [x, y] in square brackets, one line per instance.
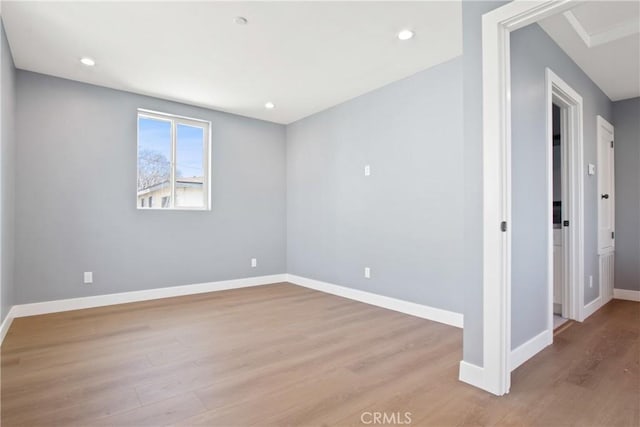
[302, 56]
[603, 38]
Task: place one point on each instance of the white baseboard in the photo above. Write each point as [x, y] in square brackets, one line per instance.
[6, 324]
[406, 307]
[591, 308]
[530, 348]
[472, 374]
[626, 294]
[144, 295]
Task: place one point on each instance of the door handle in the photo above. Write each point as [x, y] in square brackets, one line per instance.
[604, 196]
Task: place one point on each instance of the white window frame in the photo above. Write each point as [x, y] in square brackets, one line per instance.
[176, 120]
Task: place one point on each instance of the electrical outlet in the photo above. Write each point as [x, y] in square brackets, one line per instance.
[254, 262]
[367, 170]
[367, 272]
[591, 281]
[88, 277]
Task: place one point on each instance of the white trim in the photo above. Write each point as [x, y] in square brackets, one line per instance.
[496, 28]
[419, 310]
[549, 177]
[471, 374]
[573, 194]
[157, 115]
[6, 324]
[624, 29]
[530, 348]
[592, 307]
[145, 295]
[578, 28]
[626, 294]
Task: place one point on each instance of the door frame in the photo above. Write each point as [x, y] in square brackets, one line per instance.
[571, 104]
[496, 85]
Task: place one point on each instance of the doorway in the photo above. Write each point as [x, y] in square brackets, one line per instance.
[497, 25]
[564, 130]
[560, 282]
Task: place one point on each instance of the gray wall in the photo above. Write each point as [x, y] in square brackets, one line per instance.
[532, 50]
[7, 190]
[626, 120]
[75, 197]
[405, 221]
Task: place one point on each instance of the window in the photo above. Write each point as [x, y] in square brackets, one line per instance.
[173, 162]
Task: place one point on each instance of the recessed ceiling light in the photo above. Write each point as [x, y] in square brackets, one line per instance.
[240, 20]
[269, 105]
[88, 61]
[405, 34]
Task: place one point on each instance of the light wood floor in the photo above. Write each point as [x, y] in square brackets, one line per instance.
[285, 355]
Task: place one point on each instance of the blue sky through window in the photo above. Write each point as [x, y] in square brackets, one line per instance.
[155, 135]
[189, 151]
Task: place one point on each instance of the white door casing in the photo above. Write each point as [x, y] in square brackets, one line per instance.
[571, 235]
[606, 186]
[570, 104]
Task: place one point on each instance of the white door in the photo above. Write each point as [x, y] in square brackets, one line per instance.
[606, 196]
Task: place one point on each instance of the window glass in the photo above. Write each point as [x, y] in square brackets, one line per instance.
[154, 154]
[189, 166]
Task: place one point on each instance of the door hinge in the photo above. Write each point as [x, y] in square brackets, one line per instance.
[611, 144]
[613, 234]
[503, 226]
[565, 223]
